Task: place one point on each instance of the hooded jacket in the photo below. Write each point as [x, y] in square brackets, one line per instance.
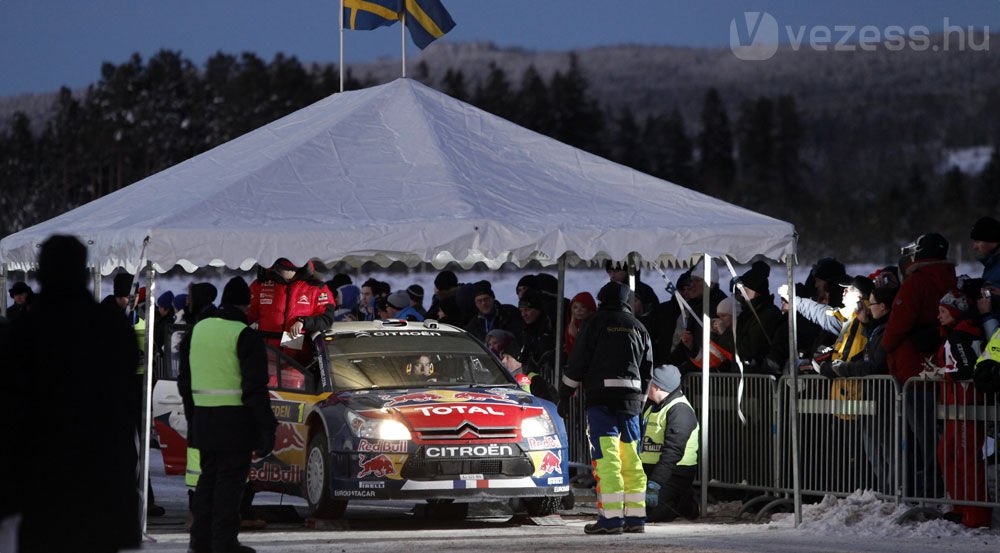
[613, 355]
[912, 331]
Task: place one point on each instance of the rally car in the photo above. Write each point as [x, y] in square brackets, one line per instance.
[398, 410]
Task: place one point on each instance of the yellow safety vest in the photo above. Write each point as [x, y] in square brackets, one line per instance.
[216, 380]
[992, 349]
[656, 425]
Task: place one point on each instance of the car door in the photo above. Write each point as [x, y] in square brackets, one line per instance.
[167, 406]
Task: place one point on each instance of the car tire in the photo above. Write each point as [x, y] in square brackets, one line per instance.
[316, 481]
[543, 506]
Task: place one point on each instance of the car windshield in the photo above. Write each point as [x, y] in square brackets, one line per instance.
[411, 359]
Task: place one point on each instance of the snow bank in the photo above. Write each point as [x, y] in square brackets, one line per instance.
[863, 514]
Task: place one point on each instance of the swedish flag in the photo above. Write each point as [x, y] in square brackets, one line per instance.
[427, 20]
[365, 15]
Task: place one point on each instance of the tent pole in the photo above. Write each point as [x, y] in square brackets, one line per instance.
[793, 369]
[341, 68]
[706, 324]
[147, 390]
[560, 319]
[630, 265]
[402, 31]
[95, 275]
[3, 286]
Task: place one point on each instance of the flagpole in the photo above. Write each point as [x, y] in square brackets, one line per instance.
[402, 29]
[341, 45]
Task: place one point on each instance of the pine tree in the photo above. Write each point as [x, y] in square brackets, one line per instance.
[989, 183]
[626, 147]
[532, 105]
[678, 157]
[756, 139]
[494, 94]
[454, 84]
[577, 118]
[716, 167]
[787, 142]
[18, 175]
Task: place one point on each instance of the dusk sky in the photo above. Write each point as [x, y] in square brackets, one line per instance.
[48, 43]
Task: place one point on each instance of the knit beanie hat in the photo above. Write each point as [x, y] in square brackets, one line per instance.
[202, 295]
[586, 299]
[166, 300]
[236, 292]
[956, 303]
[725, 306]
[483, 287]
[667, 377]
[180, 301]
[756, 278]
[122, 285]
[445, 280]
[399, 299]
[19, 288]
[416, 292]
[986, 229]
[339, 280]
[528, 281]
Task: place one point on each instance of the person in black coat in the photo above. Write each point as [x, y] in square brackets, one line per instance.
[538, 341]
[225, 431]
[491, 314]
[761, 329]
[76, 454]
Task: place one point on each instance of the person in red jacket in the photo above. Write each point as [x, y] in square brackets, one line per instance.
[959, 450]
[288, 299]
[911, 336]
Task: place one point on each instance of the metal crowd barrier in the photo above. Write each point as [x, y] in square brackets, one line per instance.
[927, 443]
[848, 431]
[740, 456]
[949, 447]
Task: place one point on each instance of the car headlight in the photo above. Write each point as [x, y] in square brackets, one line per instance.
[533, 427]
[377, 429]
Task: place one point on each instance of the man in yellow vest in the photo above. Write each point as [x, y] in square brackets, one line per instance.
[987, 372]
[223, 381]
[669, 450]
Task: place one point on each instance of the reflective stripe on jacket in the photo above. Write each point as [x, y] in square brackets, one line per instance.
[656, 422]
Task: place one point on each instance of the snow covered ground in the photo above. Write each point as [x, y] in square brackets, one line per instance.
[859, 523]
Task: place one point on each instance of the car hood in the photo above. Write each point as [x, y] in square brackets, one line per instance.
[465, 414]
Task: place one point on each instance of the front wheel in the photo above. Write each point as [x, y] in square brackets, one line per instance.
[316, 483]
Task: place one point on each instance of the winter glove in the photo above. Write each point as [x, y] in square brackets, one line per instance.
[783, 292]
[265, 443]
[563, 407]
[987, 376]
[831, 369]
[652, 494]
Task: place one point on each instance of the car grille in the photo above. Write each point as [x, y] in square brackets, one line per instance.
[467, 431]
[421, 467]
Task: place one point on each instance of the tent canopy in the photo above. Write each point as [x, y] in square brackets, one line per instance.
[401, 172]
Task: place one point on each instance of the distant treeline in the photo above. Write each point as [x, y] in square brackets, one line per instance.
[144, 116]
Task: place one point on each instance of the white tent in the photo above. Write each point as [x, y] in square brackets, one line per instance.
[401, 172]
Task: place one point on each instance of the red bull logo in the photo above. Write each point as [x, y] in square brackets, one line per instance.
[418, 397]
[478, 396]
[550, 463]
[287, 438]
[379, 466]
